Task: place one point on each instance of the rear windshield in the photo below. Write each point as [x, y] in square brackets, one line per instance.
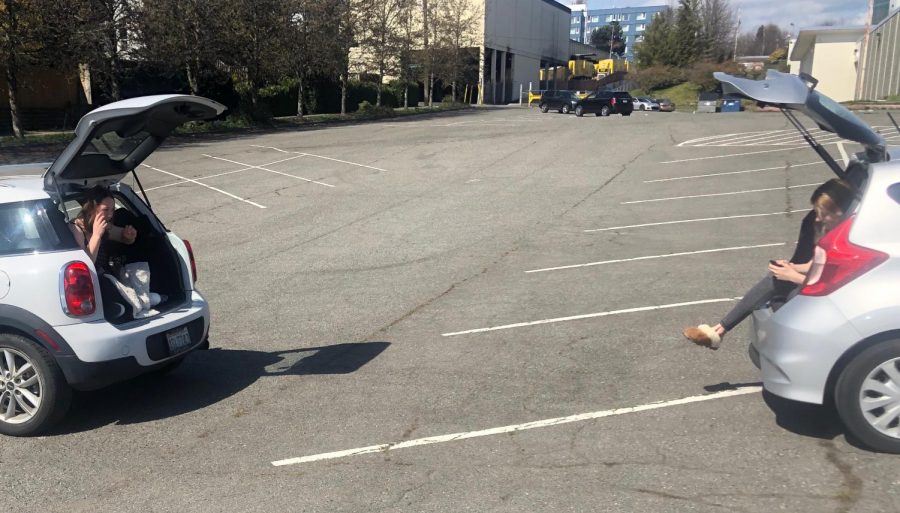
[33, 226]
[622, 95]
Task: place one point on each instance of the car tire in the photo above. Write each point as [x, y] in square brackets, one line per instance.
[863, 379]
[597, 114]
[626, 113]
[643, 108]
[545, 108]
[604, 110]
[48, 387]
[565, 109]
[579, 111]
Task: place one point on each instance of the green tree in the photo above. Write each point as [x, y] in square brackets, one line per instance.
[658, 46]
[609, 39]
[32, 33]
[688, 44]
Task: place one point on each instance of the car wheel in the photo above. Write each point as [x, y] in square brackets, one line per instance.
[579, 111]
[643, 108]
[565, 109]
[545, 108]
[867, 396]
[604, 111]
[33, 391]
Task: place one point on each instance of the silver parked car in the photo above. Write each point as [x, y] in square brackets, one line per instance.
[838, 339]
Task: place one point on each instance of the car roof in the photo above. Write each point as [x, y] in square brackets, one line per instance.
[22, 188]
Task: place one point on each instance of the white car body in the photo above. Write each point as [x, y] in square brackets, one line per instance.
[45, 347]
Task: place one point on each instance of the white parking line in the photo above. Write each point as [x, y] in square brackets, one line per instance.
[319, 157]
[589, 316]
[652, 257]
[581, 417]
[718, 136]
[222, 174]
[702, 219]
[731, 155]
[709, 175]
[719, 194]
[204, 185]
[843, 152]
[261, 168]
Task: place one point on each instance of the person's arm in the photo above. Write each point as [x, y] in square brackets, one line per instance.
[91, 247]
[786, 273]
[802, 268]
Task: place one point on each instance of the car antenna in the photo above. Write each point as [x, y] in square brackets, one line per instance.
[818, 148]
[894, 122]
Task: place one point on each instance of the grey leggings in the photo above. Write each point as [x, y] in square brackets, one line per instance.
[766, 290]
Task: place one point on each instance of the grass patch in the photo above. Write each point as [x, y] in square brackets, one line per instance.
[684, 96]
[8, 141]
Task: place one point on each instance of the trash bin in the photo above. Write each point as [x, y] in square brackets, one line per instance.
[731, 104]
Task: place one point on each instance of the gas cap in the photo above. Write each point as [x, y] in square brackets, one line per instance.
[4, 284]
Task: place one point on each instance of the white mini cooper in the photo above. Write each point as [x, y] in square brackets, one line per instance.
[54, 332]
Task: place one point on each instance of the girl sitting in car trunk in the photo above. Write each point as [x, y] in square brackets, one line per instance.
[831, 202]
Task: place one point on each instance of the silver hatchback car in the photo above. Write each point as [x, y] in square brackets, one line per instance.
[838, 338]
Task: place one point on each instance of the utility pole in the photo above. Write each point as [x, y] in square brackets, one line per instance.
[737, 30]
[427, 79]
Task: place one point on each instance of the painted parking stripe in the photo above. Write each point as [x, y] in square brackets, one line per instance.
[699, 220]
[719, 136]
[694, 196]
[558, 421]
[726, 173]
[319, 157]
[731, 155]
[589, 316]
[654, 257]
[261, 168]
[222, 174]
[257, 205]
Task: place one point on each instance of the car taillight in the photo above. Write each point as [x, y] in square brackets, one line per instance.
[78, 289]
[837, 262]
[190, 251]
[614, 101]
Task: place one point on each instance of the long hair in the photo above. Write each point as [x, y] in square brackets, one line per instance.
[92, 199]
[835, 196]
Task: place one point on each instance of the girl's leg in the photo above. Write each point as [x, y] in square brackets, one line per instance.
[757, 296]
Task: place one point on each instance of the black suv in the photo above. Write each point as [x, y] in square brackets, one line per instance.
[562, 101]
[604, 103]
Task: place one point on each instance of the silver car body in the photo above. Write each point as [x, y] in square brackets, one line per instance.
[801, 347]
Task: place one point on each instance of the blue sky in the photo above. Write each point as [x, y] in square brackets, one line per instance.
[802, 13]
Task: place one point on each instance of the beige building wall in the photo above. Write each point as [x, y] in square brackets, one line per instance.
[830, 55]
[834, 65]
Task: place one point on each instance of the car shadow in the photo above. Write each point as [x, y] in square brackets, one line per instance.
[810, 420]
[203, 379]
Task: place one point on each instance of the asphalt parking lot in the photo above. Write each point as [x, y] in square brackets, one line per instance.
[478, 311]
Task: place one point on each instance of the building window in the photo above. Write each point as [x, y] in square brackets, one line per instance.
[609, 17]
[639, 39]
[641, 27]
[642, 16]
[595, 19]
[626, 28]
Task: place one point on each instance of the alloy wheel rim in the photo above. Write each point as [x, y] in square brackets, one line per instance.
[879, 398]
[21, 387]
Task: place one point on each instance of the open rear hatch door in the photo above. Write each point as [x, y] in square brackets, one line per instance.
[797, 93]
[113, 140]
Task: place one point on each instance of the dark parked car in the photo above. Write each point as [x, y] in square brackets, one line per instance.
[666, 105]
[561, 101]
[604, 103]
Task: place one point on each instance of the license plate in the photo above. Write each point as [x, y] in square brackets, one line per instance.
[179, 339]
